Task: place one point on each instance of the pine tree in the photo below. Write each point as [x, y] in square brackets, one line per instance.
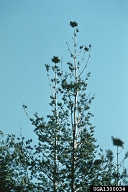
[64, 157]
[14, 164]
[121, 176]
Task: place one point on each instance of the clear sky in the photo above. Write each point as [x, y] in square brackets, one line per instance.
[32, 32]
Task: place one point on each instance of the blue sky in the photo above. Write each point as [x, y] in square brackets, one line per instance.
[32, 32]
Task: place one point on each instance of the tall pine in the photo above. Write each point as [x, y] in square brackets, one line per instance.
[65, 154]
[66, 157]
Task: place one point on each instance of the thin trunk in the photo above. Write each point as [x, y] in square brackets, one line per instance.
[75, 119]
[55, 135]
[117, 167]
[55, 168]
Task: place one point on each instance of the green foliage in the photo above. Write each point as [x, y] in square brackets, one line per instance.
[66, 141]
[14, 164]
[117, 142]
[66, 157]
[120, 177]
[73, 24]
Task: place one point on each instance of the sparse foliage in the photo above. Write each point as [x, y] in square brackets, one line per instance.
[66, 157]
[120, 176]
